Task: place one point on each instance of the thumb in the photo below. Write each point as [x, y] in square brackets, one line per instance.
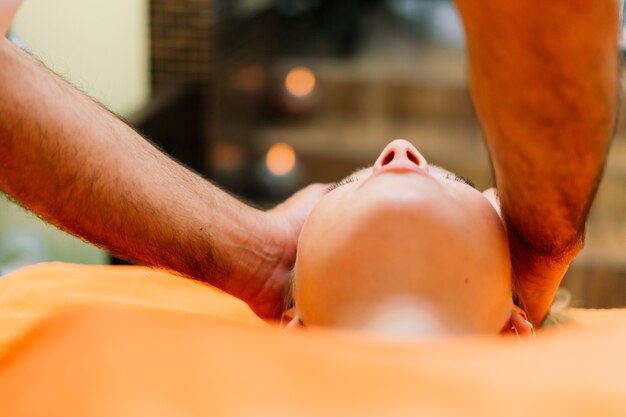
[8, 9]
[298, 207]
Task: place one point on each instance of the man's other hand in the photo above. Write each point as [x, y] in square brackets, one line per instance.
[288, 218]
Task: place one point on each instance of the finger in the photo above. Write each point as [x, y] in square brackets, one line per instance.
[302, 203]
[304, 200]
[8, 9]
[309, 196]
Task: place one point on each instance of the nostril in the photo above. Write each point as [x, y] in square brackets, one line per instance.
[412, 158]
[388, 158]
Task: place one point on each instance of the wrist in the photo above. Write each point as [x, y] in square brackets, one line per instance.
[538, 274]
[274, 245]
[258, 264]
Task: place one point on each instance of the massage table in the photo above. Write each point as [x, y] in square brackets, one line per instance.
[146, 342]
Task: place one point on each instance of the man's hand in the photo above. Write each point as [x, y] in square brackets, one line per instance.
[288, 218]
[8, 9]
[544, 81]
[76, 165]
[538, 277]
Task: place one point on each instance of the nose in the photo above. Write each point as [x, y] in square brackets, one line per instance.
[401, 152]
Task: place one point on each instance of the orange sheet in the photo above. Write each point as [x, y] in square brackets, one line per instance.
[135, 362]
[149, 363]
[33, 293]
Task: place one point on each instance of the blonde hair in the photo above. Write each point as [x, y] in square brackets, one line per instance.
[289, 300]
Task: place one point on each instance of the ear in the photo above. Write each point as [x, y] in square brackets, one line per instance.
[520, 326]
[491, 194]
[290, 320]
[295, 323]
[8, 9]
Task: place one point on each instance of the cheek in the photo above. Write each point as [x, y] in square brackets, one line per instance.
[313, 273]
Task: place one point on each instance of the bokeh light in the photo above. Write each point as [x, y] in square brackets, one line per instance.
[300, 82]
[280, 159]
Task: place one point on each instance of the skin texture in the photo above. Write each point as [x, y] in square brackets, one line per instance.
[404, 229]
[79, 167]
[544, 82]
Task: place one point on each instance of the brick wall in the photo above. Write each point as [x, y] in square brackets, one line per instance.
[182, 40]
[228, 58]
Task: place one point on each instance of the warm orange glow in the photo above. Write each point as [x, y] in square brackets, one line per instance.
[300, 82]
[281, 159]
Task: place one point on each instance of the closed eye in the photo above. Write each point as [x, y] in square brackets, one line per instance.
[342, 182]
[451, 175]
[354, 177]
[461, 179]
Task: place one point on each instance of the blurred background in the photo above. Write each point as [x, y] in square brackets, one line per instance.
[265, 96]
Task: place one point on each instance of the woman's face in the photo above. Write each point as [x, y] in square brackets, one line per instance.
[404, 229]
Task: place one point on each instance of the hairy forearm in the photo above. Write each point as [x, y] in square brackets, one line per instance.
[78, 166]
[544, 80]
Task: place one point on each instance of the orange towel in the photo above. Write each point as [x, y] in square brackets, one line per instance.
[30, 294]
[157, 361]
